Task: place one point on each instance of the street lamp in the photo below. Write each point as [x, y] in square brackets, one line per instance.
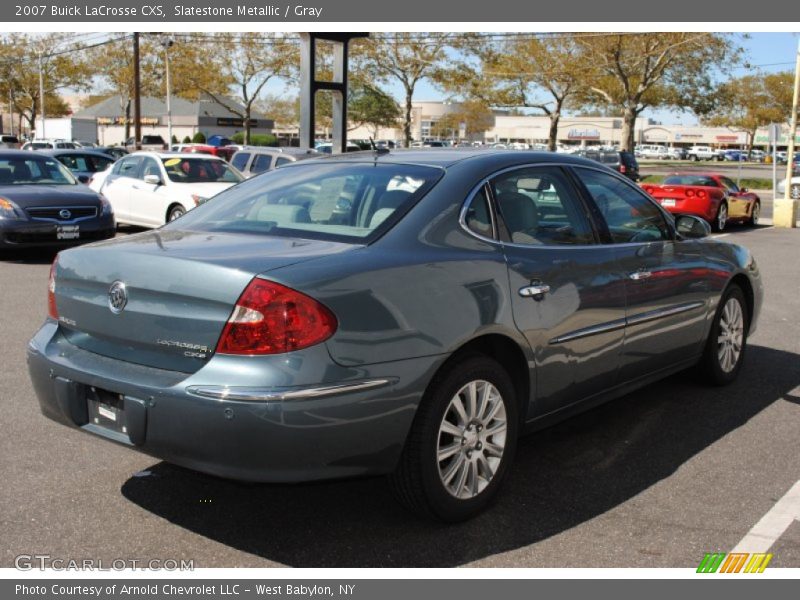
[167, 43]
[41, 95]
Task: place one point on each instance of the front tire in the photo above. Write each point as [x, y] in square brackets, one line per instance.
[461, 443]
[724, 352]
[175, 212]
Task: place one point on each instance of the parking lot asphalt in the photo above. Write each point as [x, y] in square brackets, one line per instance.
[655, 479]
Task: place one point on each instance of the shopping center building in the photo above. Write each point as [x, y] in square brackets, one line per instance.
[575, 130]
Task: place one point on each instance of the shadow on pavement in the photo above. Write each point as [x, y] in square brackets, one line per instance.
[562, 476]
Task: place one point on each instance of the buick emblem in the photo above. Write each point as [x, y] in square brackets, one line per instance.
[117, 297]
[65, 214]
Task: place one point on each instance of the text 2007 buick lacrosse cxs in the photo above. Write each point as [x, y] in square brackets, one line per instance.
[407, 313]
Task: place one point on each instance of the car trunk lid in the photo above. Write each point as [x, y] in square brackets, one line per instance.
[179, 290]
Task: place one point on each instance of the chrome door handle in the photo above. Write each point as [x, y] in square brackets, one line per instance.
[640, 275]
[535, 291]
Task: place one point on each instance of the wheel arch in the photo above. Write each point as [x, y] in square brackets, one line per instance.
[171, 206]
[506, 351]
[743, 282]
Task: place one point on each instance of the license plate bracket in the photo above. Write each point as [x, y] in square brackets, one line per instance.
[107, 410]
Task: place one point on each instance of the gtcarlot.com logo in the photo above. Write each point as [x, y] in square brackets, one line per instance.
[736, 562]
[29, 562]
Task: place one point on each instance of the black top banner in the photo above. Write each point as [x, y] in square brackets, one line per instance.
[328, 11]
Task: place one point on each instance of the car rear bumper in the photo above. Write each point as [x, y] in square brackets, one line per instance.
[27, 234]
[353, 424]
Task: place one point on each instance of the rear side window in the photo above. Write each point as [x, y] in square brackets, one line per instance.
[539, 205]
[282, 160]
[335, 201]
[127, 167]
[240, 160]
[261, 163]
[478, 217]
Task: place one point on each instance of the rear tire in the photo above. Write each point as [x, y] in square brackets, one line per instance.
[755, 215]
[461, 442]
[725, 348]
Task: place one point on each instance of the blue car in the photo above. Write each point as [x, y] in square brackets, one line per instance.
[403, 313]
[734, 155]
[83, 163]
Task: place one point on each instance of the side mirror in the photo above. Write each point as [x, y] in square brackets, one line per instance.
[691, 227]
[152, 179]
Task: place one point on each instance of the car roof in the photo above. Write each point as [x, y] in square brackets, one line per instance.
[24, 155]
[68, 151]
[447, 157]
[285, 150]
[175, 155]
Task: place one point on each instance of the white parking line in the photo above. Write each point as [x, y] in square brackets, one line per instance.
[772, 525]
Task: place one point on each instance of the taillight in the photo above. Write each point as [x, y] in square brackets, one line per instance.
[622, 169]
[52, 309]
[701, 193]
[270, 318]
[689, 193]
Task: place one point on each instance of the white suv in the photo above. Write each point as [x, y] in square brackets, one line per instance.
[703, 153]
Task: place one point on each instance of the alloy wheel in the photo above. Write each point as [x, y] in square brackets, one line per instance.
[731, 335]
[472, 439]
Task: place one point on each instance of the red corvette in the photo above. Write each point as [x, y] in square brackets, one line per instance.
[710, 196]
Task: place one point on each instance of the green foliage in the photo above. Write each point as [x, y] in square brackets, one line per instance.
[256, 139]
[174, 139]
[186, 140]
[199, 138]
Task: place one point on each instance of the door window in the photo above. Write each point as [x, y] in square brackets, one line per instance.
[478, 217]
[261, 162]
[127, 167]
[630, 215]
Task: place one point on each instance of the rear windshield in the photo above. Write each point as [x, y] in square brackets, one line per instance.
[200, 170]
[344, 202]
[689, 180]
[34, 171]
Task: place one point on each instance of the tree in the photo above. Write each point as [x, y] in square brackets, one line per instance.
[752, 101]
[285, 111]
[116, 68]
[63, 64]
[243, 63]
[634, 71]
[475, 117]
[367, 105]
[534, 72]
[407, 58]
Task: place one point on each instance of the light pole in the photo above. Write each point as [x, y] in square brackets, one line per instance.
[41, 96]
[785, 209]
[167, 43]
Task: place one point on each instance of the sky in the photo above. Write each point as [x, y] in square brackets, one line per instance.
[767, 52]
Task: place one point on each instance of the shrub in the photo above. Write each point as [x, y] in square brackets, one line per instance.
[256, 139]
[186, 140]
[199, 138]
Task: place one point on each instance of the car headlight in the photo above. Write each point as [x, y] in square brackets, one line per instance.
[107, 208]
[10, 211]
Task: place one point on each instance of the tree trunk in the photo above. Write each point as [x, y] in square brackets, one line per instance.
[555, 117]
[246, 125]
[407, 123]
[628, 127]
